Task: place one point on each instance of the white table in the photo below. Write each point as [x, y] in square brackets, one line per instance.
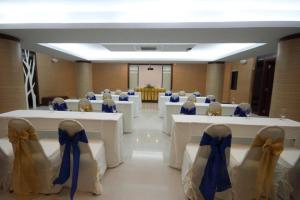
[163, 99]
[108, 125]
[136, 99]
[186, 127]
[201, 108]
[124, 107]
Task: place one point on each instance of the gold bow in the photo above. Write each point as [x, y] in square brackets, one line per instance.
[214, 112]
[86, 108]
[25, 179]
[271, 149]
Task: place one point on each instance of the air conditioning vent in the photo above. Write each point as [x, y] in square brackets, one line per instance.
[148, 48]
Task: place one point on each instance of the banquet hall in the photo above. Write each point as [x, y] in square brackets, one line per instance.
[166, 100]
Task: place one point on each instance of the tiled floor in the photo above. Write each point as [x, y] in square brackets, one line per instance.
[144, 174]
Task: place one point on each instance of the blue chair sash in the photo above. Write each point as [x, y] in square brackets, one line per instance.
[168, 94]
[215, 177]
[123, 98]
[174, 99]
[240, 112]
[187, 111]
[196, 94]
[208, 100]
[70, 142]
[109, 109]
[60, 107]
[91, 97]
[130, 93]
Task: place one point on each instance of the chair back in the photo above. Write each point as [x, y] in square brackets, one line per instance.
[131, 92]
[242, 110]
[106, 91]
[168, 93]
[90, 96]
[109, 106]
[181, 93]
[214, 109]
[210, 98]
[59, 104]
[85, 105]
[106, 96]
[118, 92]
[188, 108]
[174, 98]
[192, 98]
[197, 94]
[123, 97]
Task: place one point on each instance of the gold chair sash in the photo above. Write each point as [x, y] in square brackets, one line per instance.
[85, 107]
[271, 149]
[25, 179]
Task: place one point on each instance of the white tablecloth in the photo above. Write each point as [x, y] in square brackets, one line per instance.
[108, 125]
[187, 126]
[201, 108]
[163, 99]
[124, 107]
[136, 99]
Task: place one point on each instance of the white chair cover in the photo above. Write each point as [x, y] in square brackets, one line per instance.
[214, 109]
[245, 166]
[192, 98]
[44, 153]
[181, 93]
[193, 177]
[58, 103]
[106, 96]
[6, 160]
[92, 160]
[106, 91]
[85, 105]
[118, 92]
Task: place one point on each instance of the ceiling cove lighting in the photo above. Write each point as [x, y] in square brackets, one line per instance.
[200, 52]
[137, 11]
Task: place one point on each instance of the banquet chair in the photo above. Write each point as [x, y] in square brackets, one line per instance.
[118, 92]
[35, 161]
[106, 96]
[252, 168]
[82, 161]
[6, 160]
[181, 93]
[242, 110]
[123, 97]
[168, 93]
[188, 108]
[210, 98]
[207, 164]
[214, 109]
[106, 91]
[196, 93]
[192, 98]
[174, 98]
[90, 96]
[131, 92]
[59, 104]
[109, 106]
[85, 105]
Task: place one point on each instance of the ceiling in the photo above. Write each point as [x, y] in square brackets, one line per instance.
[174, 29]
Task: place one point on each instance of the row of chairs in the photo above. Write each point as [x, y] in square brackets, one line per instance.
[182, 93]
[221, 171]
[118, 92]
[30, 165]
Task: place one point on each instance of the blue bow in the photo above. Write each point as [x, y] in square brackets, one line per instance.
[168, 94]
[70, 142]
[109, 109]
[125, 98]
[130, 93]
[208, 100]
[240, 112]
[187, 111]
[60, 107]
[215, 178]
[91, 97]
[174, 99]
[196, 95]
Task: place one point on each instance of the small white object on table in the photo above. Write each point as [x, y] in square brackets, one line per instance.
[201, 109]
[187, 126]
[124, 107]
[108, 125]
[162, 100]
[136, 99]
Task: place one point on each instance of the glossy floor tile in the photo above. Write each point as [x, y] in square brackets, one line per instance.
[144, 174]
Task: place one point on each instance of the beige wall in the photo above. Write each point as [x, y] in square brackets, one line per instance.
[56, 79]
[84, 78]
[286, 87]
[110, 75]
[214, 80]
[189, 77]
[243, 93]
[12, 91]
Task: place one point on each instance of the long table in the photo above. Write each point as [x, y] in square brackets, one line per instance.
[163, 99]
[201, 109]
[108, 125]
[185, 127]
[136, 99]
[124, 107]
